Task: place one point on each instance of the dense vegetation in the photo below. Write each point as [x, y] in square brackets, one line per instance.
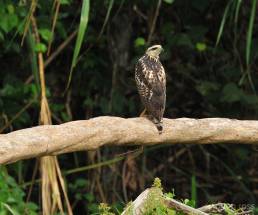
[211, 63]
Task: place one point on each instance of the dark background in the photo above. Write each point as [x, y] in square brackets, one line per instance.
[203, 80]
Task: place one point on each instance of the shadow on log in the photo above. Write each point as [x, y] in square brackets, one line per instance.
[96, 132]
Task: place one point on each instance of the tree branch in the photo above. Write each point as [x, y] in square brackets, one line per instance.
[96, 132]
[153, 197]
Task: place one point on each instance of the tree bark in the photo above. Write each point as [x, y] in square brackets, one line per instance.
[96, 132]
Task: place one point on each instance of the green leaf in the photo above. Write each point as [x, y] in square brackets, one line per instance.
[170, 195]
[171, 211]
[193, 190]
[223, 21]
[228, 210]
[238, 2]
[81, 183]
[45, 34]
[8, 22]
[11, 210]
[190, 203]
[206, 88]
[4, 24]
[10, 8]
[65, 2]
[250, 100]
[201, 47]
[250, 32]
[81, 32]
[78, 196]
[110, 5]
[169, 1]
[231, 93]
[88, 102]
[89, 197]
[1, 36]
[140, 41]
[40, 47]
[182, 39]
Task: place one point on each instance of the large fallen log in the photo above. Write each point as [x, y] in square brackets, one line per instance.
[96, 132]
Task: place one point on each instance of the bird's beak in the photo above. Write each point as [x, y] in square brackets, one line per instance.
[161, 50]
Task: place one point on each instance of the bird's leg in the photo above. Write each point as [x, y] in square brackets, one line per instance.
[143, 113]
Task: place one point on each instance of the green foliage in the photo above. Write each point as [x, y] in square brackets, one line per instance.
[211, 62]
[201, 47]
[154, 202]
[9, 17]
[157, 183]
[223, 21]
[140, 41]
[81, 32]
[250, 32]
[169, 1]
[12, 197]
[40, 47]
[78, 189]
[193, 191]
[104, 209]
[45, 34]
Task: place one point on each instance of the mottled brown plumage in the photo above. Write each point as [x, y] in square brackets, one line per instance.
[151, 83]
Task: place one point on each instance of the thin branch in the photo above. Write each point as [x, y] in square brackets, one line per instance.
[117, 159]
[60, 48]
[17, 115]
[179, 206]
[57, 7]
[96, 132]
[54, 54]
[153, 24]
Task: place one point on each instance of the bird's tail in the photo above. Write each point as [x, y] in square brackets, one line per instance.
[159, 125]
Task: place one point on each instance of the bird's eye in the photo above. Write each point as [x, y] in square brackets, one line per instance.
[154, 48]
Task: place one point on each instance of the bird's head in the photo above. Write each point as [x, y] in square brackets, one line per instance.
[154, 51]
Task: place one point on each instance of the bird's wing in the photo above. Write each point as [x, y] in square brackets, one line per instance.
[151, 83]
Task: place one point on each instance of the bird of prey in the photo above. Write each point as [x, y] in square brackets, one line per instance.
[151, 84]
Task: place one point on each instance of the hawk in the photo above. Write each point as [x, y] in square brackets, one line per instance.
[151, 84]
